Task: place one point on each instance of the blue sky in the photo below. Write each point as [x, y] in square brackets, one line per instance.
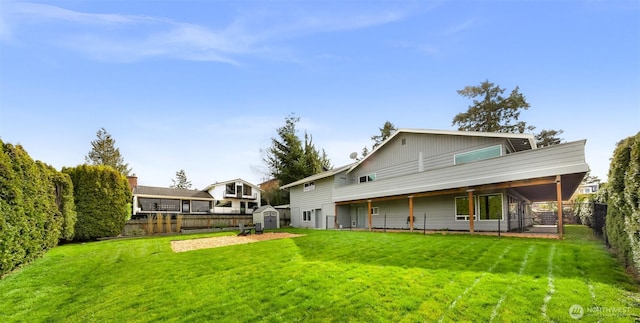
[202, 85]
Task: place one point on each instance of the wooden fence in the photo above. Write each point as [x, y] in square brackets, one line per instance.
[167, 223]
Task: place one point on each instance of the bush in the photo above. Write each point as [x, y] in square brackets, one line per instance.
[36, 207]
[102, 196]
[623, 191]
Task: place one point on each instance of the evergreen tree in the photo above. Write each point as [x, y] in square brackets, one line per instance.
[289, 159]
[104, 152]
[492, 112]
[181, 181]
[385, 132]
[548, 138]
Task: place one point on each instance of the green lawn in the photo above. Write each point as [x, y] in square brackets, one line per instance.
[326, 276]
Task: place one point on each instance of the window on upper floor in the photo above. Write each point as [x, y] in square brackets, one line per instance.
[231, 188]
[310, 186]
[479, 154]
[246, 190]
[367, 178]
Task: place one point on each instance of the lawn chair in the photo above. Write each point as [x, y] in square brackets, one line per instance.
[258, 228]
[244, 231]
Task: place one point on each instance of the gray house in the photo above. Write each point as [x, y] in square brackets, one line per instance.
[457, 180]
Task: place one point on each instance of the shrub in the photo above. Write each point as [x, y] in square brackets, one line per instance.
[623, 190]
[36, 207]
[101, 195]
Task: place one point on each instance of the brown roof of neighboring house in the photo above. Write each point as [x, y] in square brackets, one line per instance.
[171, 192]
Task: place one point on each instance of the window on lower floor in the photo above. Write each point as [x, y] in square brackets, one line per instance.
[223, 203]
[489, 207]
[200, 206]
[151, 204]
[306, 215]
[486, 207]
[462, 209]
[375, 210]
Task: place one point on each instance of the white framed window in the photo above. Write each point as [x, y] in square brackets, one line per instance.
[486, 207]
[310, 186]
[367, 178]
[306, 215]
[375, 210]
[479, 154]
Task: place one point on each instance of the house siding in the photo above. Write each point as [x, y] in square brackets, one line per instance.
[320, 198]
[395, 159]
[439, 212]
[560, 159]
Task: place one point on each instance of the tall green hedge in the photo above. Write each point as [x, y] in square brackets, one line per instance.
[36, 207]
[623, 189]
[102, 198]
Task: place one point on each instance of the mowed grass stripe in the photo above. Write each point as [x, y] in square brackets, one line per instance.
[323, 276]
[475, 282]
[523, 264]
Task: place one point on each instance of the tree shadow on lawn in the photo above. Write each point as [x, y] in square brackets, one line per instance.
[582, 261]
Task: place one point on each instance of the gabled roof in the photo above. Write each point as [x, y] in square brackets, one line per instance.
[318, 176]
[230, 181]
[262, 208]
[152, 191]
[519, 141]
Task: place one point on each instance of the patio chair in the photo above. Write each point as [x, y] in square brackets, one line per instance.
[258, 228]
[244, 231]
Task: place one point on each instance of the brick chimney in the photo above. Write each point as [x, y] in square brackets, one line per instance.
[133, 182]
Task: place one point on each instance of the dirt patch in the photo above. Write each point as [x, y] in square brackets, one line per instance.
[203, 243]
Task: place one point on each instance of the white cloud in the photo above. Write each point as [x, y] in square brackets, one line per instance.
[128, 38]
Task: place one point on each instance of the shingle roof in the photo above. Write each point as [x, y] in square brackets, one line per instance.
[170, 192]
[317, 176]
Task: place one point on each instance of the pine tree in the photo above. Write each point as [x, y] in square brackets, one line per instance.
[289, 159]
[181, 181]
[104, 152]
[492, 112]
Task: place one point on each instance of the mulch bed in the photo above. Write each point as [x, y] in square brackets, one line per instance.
[204, 243]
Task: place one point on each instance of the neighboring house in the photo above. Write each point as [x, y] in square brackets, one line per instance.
[230, 197]
[151, 200]
[589, 188]
[456, 180]
[234, 197]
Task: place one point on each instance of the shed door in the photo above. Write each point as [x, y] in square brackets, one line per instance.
[270, 221]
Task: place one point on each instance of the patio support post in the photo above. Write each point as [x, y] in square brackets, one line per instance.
[369, 211]
[471, 209]
[559, 197]
[411, 213]
[335, 216]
